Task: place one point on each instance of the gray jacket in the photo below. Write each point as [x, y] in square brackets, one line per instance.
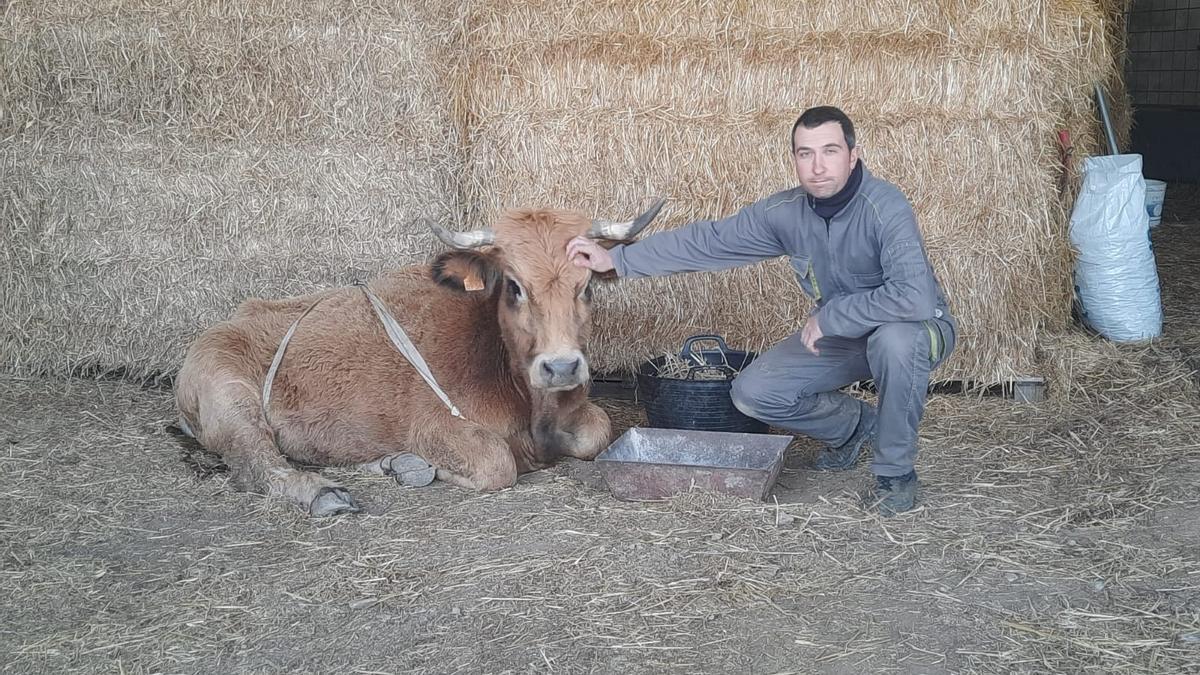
[867, 267]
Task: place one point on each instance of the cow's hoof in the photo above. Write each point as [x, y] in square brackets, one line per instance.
[411, 470]
[332, 501]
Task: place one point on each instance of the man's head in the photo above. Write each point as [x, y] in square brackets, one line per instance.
[823, 150]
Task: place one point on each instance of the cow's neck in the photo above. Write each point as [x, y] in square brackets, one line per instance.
[548, 412]
[554, 404]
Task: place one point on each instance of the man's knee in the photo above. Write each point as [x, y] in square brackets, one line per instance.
[745, 395]
[754, 396]
[897, 341]
[760, 400]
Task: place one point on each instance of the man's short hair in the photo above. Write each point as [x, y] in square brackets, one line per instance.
[823, 114]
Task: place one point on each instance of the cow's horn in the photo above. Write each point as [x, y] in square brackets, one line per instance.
[463, 240]
[609, 229]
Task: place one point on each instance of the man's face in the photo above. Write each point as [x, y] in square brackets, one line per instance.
[823, 162]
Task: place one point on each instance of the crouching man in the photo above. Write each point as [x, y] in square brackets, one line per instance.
[880, 312]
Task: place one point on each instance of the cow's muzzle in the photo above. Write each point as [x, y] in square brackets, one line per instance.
[558, 372]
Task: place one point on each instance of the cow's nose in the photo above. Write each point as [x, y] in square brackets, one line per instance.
[560, 369]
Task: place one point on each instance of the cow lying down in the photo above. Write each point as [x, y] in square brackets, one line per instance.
[500, 321]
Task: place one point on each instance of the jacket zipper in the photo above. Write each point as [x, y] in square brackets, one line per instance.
[831, 258]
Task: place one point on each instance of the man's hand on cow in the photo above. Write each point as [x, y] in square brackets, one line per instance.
[587, 253]
[811, 333]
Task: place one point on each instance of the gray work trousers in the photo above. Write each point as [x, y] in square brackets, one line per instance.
[794, 389]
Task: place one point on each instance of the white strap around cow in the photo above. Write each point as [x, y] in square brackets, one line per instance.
[270, 380]
[406, 347]
[394, 332]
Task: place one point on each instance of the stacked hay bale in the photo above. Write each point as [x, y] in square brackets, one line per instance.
[601, 105]
[164, 160]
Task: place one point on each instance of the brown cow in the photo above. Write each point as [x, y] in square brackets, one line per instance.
[507, 354]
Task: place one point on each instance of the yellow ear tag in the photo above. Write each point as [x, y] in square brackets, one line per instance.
[473, 282]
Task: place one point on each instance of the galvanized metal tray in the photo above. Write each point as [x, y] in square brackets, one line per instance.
[650, 464]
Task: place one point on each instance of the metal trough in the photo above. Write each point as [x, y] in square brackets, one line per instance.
[648, 464]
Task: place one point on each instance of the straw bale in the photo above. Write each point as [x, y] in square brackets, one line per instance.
[164, 161]
[199, 112]
[119, 249]
[507, 23]
[216, 71]
[600, 105]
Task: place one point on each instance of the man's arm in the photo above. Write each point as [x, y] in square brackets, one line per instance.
[909, 291]
[703, 245]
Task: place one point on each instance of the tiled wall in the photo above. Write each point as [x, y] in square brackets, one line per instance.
[1164, 53]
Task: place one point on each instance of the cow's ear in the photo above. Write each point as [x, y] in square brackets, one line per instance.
[467, 271]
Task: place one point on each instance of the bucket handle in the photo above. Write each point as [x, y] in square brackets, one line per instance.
[686, 351]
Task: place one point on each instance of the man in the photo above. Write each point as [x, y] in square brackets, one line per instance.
[880, 312]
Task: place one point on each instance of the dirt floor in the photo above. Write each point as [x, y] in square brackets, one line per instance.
[1057, 537]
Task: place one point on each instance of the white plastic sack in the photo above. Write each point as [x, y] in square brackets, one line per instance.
[1115, 278]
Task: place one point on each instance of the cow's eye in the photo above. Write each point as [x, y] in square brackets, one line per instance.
[515, 290]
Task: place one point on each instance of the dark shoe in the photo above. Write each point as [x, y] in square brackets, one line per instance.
[895, 494]
[845, 455]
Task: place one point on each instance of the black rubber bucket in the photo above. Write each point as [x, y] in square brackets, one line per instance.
[698, 400]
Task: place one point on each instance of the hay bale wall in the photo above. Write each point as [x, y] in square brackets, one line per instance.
[164, 160]
[603, 104]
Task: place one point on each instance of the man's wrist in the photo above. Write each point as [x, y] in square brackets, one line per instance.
[617, 255]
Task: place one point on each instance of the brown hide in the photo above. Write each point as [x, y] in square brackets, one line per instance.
[344, 395]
